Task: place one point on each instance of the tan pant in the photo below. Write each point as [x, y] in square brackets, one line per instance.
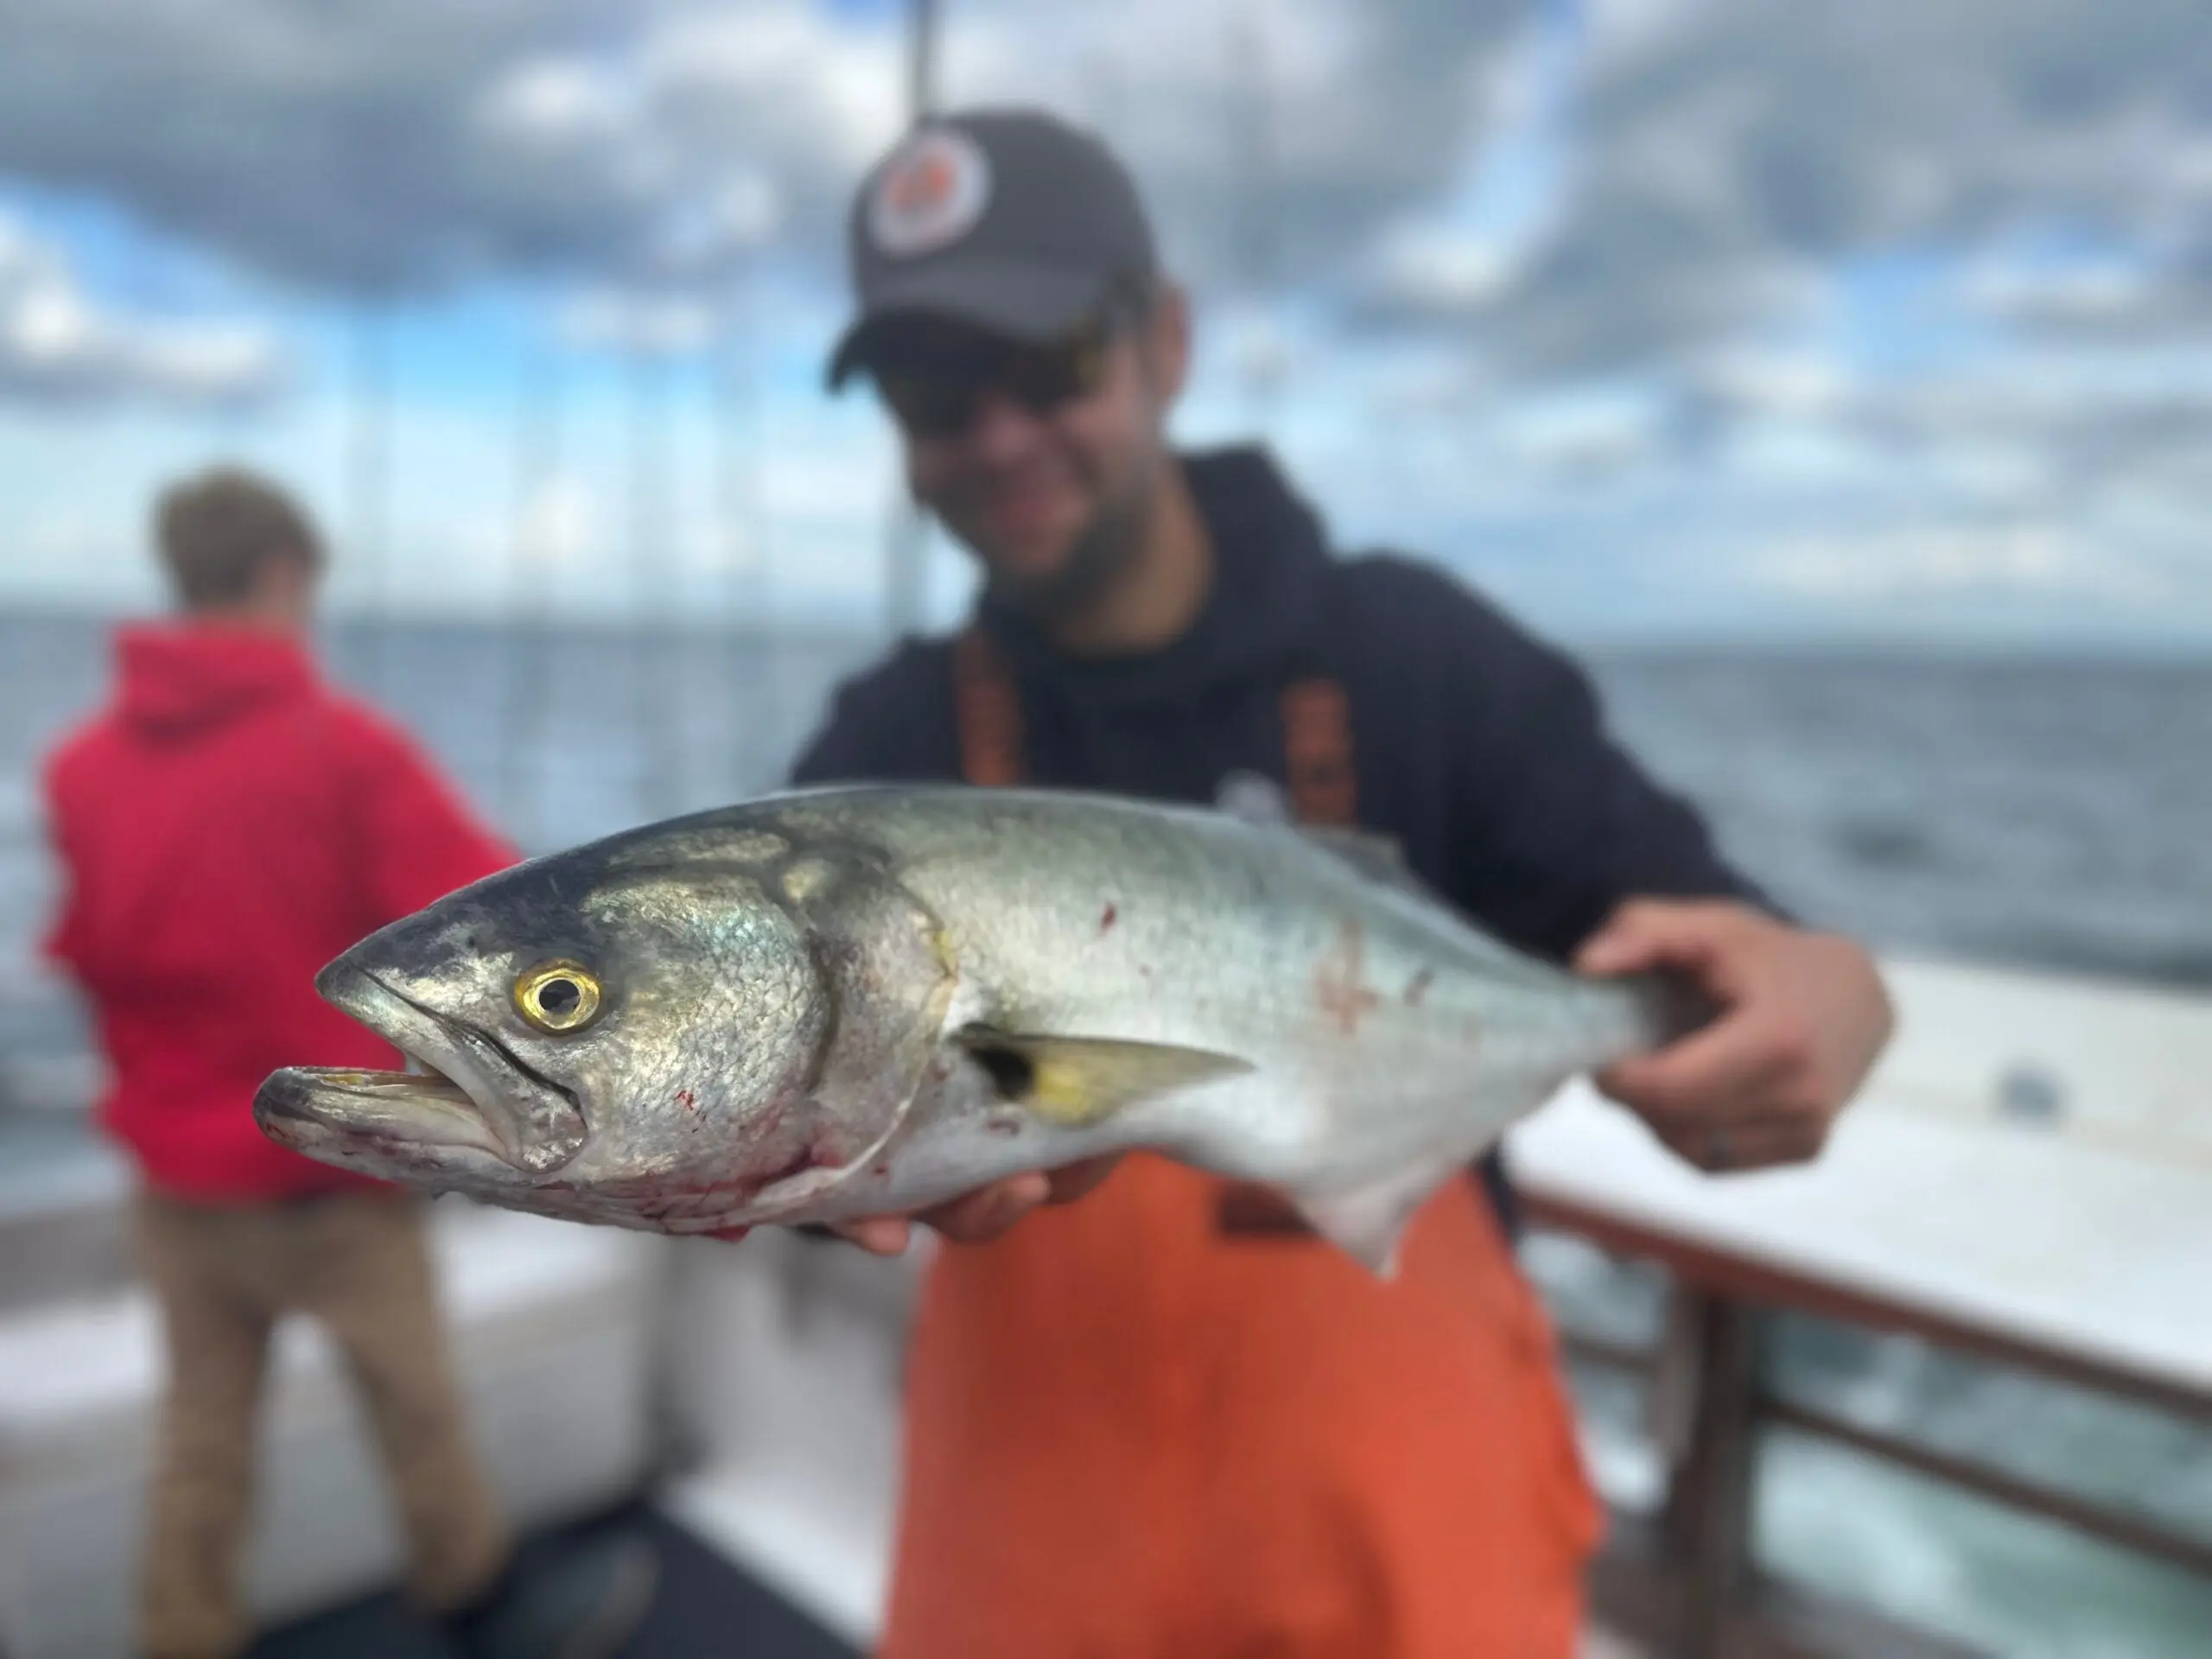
[359, 1263]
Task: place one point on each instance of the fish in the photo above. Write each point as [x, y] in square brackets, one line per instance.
[859, 1000]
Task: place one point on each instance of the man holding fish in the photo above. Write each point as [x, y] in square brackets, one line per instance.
[1137, 1425]
[1256, 1373]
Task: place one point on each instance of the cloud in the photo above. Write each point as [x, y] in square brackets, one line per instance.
[560, 523]
[1727, 153]
[1789, 383]
[1272, 142]
[58, 345]
[2115, 295]
[1424, 268]
[1946, 560]
[2056, 426]
[1643, 296]
[1730, 153]
[1577, 436]
[642, 322]
[689, 146]
[413, 143]
[2090, 292]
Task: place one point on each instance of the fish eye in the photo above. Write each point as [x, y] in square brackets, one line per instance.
[557, 996]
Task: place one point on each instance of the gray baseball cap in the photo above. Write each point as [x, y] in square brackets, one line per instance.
[1009, 219]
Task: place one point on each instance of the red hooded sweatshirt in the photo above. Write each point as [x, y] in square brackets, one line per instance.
[227, 827]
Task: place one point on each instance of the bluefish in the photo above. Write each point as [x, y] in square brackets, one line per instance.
[836, 1003]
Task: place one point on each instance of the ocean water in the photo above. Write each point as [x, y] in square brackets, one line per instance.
[2041, 813]
[2047, 813]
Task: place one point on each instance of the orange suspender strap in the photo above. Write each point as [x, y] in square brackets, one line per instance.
[1316, 733]
[1316, 753]
[988, 711]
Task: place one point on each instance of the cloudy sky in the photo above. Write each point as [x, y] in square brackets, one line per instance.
[1890, 319]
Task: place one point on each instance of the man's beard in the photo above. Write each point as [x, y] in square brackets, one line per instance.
[1103, 550]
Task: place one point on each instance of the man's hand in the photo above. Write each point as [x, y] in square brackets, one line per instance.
[1802, 1017]
[976, 1217]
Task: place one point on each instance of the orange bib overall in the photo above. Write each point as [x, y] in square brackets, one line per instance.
[1136, 1429]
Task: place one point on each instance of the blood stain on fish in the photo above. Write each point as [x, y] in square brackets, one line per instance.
[1340, 987]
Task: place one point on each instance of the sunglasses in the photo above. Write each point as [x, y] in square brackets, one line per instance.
[935, 393]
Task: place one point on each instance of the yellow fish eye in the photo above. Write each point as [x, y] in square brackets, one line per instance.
[557, 996]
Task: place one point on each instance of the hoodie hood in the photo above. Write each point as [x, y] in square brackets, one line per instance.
[182, 677]
[1263, 613]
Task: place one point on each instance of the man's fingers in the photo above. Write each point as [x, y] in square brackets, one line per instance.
[979, 1217]
[878, 1235]
[1760, 1143]
[1073, 1181]
[974, 1217]
[1719, 1072]
[1642, 934]
[1623, 945]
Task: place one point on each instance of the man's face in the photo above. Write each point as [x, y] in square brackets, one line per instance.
[1045, 459]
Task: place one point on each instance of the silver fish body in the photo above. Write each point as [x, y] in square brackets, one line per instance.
[837, 1002]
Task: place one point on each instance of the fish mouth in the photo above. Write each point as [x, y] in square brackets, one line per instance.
[464, 1092]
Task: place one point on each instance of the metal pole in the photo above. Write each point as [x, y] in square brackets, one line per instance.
[756, 694]
[909, 566]
[906, 542]
[1706, 1399]
[1255, 221]
[370, 482]
[654, 602]
[531, 574]
[921, 60]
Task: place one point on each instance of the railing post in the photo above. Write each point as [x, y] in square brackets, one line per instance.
[1704, 1403]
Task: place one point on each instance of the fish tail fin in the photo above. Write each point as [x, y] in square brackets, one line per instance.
[1674, 1006]
[1647, 1011]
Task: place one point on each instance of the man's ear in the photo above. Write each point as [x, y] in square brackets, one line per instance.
[1164, 344]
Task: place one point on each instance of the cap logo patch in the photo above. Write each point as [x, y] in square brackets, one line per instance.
[929, 193]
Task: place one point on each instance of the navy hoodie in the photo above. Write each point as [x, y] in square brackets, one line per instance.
[1480, 750]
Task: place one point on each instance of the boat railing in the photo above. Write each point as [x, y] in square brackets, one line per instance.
[1711, 1402]
[2044, 1243]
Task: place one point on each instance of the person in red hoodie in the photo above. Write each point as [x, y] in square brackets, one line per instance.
[226, 826]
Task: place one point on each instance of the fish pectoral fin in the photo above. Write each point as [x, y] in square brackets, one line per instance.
[1368, 1220]
[1073, 1081]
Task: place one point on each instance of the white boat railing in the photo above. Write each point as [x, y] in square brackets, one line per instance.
[2024, 1176]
